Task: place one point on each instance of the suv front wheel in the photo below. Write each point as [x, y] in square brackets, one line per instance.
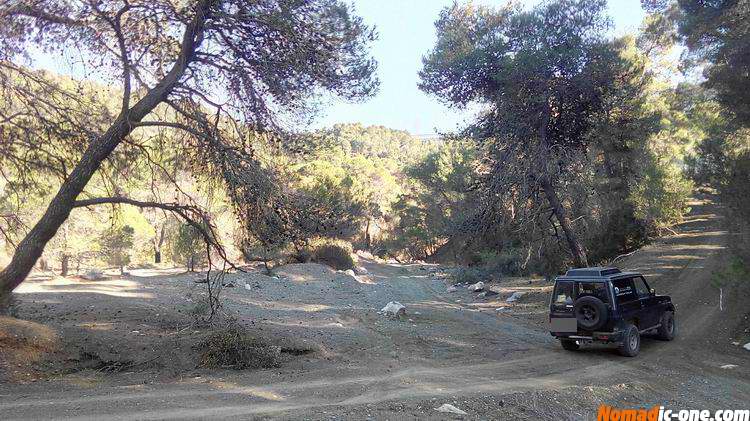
[631, 342]
[668, 328]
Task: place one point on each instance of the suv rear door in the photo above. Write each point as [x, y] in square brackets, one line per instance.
[562, 319]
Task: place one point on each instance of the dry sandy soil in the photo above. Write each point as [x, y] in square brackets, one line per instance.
[124, 347]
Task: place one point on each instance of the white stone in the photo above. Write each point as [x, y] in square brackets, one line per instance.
[248, 287]
[448, 408]
[451, 289]
[476, 287]
[514, 297]
[349, 272]
[359, 270]
[747, 346]
[729, 366]
[394, 308]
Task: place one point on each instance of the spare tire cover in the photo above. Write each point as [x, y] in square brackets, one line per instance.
[590, 312]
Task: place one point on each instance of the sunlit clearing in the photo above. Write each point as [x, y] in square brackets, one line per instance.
[114, 287]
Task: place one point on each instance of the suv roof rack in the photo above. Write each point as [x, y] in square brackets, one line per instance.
[593, 271]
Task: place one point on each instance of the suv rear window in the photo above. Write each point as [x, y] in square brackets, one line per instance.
[563, 293]
[566, 292]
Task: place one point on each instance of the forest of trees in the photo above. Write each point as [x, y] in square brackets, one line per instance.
[183, 149]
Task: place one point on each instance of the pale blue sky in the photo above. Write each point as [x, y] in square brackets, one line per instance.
[406, 34]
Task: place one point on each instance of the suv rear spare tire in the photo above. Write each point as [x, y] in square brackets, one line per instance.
[590, 312]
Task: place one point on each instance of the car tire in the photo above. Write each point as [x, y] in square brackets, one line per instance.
[631, 342]
[590, 312]
[668, 329]
[569, 344]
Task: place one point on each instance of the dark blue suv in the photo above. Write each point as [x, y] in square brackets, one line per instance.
[605, 304]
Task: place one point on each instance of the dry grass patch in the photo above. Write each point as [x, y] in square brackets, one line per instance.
[233, 347]
[23, 344]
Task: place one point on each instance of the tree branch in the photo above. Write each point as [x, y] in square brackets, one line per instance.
[192, 215]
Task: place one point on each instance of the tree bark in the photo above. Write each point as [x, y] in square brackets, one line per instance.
[32, 246]
[368, 239]
[574, 244]
[158, 241]
[65, 261]
[576, 248]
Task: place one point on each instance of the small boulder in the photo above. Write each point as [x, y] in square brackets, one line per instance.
[450, 409]
[729, 366]
[394, 309]
[479, 286]
[747, 346]
[514, 297]
[359, 270]
[349, 272]
[451, 289]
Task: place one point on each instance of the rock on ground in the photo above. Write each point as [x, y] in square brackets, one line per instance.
[394, 308]
[359, 270]
[448, 408]
[476, 287]
[514, 297]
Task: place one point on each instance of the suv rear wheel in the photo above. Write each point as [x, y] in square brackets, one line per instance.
[668, 329]
[631, 342]
[569, 344]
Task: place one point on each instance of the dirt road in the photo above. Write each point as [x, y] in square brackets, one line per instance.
[346, 361]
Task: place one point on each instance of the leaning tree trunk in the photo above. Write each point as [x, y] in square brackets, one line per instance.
[576, 248]
[574, 244]
[32, 246]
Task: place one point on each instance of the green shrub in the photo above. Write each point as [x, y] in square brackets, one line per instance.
[507, 262]
[334, 253]
[233, 347]
[470, 275]
[115, 245]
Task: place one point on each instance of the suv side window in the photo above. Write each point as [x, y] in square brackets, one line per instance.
[624, 290]
[641, 287]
